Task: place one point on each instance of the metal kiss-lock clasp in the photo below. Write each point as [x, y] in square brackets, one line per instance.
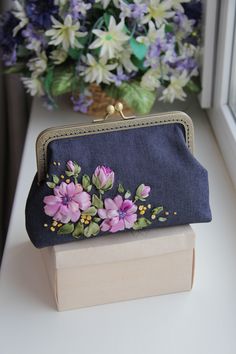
[111, 110]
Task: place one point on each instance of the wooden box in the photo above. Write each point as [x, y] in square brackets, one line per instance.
[121, 267]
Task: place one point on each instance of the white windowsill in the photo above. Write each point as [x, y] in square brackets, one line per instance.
[201, 321]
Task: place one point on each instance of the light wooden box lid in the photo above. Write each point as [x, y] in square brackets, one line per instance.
[123, 246]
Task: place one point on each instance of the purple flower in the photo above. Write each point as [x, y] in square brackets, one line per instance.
[71, 166]
[34, 39]
[142, 192]
[79, 8]
[138, 10]
[40, 12]
[8, 43]
[81, 103]
[118, 214]
[103, 178]
[67, 202]
[120, 77]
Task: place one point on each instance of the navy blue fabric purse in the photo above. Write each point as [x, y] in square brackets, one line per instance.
[110, 176]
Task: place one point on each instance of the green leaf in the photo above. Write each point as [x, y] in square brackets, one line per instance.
[162, 219]
[89, 188]
[139, 49]
[79, 230]
[157, 210]
[66, 229]
[92, 230]
[96, 219]
[18, 68]
[90, 211]
[48, 81]
[51, 185]
[107, 17]
[121, 188]
[55, 179]
[141, 224]
[169, 28]
[62, 82]
[138, 98]
[139, 63]
[85, 181]
[74, 53]
[97, 202]
[127, 194]
[193, 86]
[69, 173]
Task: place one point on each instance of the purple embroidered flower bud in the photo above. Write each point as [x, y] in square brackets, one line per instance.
[142, 192]
[71, 166]
[103, 178]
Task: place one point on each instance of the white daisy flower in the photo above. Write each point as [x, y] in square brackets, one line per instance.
[105, 3]
[65, 33]
[97, 71]
[159, 11]
[38, 65]
[124, 59]
[19, 13]
[175, 89]
[33, 86]
[152, 34]
[151, 79]
[111, 41]
[58, 56]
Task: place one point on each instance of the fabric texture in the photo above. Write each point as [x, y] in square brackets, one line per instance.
[155, 156]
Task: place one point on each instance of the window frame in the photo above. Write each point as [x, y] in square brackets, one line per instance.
[221, 116]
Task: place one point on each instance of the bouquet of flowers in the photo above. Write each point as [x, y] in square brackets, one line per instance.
[134, 50]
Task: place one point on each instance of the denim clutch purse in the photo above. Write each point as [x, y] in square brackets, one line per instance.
[110, 176]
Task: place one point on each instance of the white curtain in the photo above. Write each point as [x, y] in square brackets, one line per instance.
[14, 107]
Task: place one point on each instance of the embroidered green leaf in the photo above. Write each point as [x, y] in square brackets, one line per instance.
[139, 49]
[157, 210]
[91, 230]
[55, 179]
[85, 182]
[89, 188]
[161, 219]
[69, 173]
[96, 220]
[141, 224]
[66, 229]
[77, 168]
[90, 211]
[127, 194]
[97, 202]
[121, 188]
[79, 230]
[51, 185]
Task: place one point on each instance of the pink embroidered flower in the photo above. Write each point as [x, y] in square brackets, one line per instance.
[118, 214]
[143, 191]
[103, 178]
[66, 203]
[71, 166]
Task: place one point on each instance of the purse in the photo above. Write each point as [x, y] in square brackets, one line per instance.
[119, 175]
